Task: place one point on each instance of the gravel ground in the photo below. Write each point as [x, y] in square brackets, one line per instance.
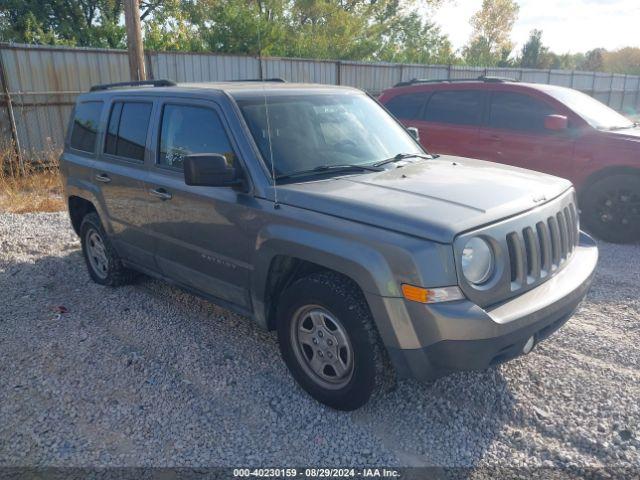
[148, 375]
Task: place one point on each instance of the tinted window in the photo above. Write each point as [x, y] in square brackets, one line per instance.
[85, 126]
[514, 111]
[406, 106]
[455, 106]
[186, 130]
[127, 129]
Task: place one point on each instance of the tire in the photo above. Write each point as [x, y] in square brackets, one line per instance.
[611, 208]
[329, 308]
[103, 262]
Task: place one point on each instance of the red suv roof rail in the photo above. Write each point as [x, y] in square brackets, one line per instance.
[481, 78]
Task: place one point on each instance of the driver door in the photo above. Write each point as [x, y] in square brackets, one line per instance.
[202, 241]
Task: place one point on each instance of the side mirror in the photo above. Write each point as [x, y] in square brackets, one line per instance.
[413, 131]
[209, 170]
[556, 123]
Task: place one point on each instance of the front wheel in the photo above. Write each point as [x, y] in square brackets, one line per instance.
[329, 342]
[611, 208]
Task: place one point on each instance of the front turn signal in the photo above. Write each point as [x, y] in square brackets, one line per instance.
[431, 295]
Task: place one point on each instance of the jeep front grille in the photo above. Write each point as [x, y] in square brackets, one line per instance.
[529, 249]
[538, 250]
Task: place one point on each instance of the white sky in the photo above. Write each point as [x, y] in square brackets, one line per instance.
[567, 25]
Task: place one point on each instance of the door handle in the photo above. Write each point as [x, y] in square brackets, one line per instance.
[103, 177]
[160, 193]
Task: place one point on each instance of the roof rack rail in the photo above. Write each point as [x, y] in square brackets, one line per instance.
[489, 78]
[274, 79]
[152, 83]
[481, 78]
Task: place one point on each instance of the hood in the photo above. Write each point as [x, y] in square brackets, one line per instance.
[433, 199]
[630, 134]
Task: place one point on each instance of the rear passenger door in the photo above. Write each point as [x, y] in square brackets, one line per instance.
[200, 231]
[515, 134]
[450, 121]
[120, 174]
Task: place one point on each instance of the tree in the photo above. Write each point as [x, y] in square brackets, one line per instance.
[593, 61]
[84, 23]
[534, 53]
[491, 37]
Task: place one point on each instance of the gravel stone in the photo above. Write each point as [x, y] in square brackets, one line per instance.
[148, 375]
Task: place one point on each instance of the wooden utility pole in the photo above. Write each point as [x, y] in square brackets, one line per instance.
[134, 40]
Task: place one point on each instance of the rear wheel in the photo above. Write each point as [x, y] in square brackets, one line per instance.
[104, 265]
[329, 342]
[611, 208]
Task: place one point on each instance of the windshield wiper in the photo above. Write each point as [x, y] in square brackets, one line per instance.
[402, 156]
[330, 168]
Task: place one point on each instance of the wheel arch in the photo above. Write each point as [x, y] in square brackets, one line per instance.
[284, 254]
[603, 173]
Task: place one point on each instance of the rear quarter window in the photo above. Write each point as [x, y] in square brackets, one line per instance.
[84, 129]
[407, 105]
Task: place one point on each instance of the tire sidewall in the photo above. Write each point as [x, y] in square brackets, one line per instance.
[310, 291]
[92, 222]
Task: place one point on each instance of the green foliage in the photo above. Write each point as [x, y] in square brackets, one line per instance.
[490, 43]
[534, 54]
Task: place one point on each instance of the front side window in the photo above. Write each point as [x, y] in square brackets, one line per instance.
[407, 106]
[515, 111]
[187, 129]
[127, 130]
[596, 113]
[85, 126]
[457, 107]
[306, 131]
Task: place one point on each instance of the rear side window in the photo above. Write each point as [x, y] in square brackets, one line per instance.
[85, 126]
[127, 129]
[187, 129]
[407, 106]
[458, 107]
[515, 111]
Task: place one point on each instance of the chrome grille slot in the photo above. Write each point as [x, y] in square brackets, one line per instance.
[533, 254]
[555, 242]
[517, 259]
[545, 248]
[564, 241]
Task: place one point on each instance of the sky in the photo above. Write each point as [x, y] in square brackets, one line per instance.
[567, 25]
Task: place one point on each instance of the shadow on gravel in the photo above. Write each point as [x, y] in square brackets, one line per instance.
[450, 422]
[152, 364]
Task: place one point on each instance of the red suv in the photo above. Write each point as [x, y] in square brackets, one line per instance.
[548, 128]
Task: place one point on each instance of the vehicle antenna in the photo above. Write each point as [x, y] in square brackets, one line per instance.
[276, 205]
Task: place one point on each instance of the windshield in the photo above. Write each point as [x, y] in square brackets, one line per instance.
[597, 114]
[315, 130]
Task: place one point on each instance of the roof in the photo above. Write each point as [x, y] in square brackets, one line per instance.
[234, 88]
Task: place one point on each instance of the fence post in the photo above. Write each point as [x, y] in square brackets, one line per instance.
[624, 91]
[449, 71]
[148, 59]
[338, 72]
[573, 76]
[610, 90]
[549, 77]
[12, 118]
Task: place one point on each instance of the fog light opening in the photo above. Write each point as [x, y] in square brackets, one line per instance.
[529, 345]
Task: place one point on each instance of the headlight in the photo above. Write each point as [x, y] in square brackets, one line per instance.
[477, 261]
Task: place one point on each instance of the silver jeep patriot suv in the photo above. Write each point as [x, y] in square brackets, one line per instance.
[312, 211]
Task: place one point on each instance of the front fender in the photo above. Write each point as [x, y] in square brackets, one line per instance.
[360, 262]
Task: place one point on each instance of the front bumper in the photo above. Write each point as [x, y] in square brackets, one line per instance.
[462, 336]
